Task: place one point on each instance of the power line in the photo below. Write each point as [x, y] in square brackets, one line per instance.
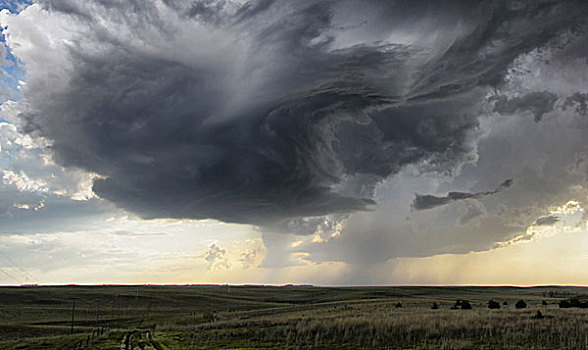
[24, 272]
[9, 275]
[9, 261]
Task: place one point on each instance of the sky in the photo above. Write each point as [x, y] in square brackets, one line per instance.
[310, 142]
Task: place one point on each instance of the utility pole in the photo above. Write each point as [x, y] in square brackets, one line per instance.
[73, 311]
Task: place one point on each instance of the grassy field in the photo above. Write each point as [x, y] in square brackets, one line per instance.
[290, 317]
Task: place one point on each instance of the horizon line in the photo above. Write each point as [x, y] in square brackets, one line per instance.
[33, 285]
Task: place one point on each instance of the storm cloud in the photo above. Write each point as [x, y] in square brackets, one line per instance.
[538, 103]
[427, 201]
[547, 220]
[270, 111]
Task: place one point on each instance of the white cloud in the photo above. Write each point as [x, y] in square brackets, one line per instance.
[215, 256]
[22, 182]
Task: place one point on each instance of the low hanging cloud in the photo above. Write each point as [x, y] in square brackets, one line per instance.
[549, 220]
[427, 201]
[268, 111]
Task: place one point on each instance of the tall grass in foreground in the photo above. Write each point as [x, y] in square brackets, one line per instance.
[415, 328]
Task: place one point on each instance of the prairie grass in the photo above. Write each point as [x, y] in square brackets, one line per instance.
[260, 317]
[379, 326]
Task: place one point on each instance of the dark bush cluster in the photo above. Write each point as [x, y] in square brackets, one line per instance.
[573, 302]
[521, 304]
[538, 316]
[435, 306]
[461, 304]
[493, 304]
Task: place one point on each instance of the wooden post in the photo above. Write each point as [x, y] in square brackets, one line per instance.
[73, 310]
[97, 313]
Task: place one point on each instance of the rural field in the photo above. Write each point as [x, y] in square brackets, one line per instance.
[291, 317]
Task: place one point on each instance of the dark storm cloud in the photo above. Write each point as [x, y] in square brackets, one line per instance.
[578, 102]
[427, 201]
[547, 221]
[262, 112]
[537, 103]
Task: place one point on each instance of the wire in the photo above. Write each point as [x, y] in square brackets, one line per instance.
[9, 261]
[9, 275]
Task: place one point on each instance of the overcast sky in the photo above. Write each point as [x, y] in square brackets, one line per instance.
[325, 142]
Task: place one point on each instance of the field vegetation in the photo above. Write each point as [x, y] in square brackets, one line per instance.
[292, 317]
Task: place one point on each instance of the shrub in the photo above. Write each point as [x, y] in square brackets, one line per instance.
[573, 302]
[521, 304]
[543, 302]
[538, 316]
[577, 303]
[209, 317]
[493, 304]
[463, 304]
[435, 306]
[505, 303]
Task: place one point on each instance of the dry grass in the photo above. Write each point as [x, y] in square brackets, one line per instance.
[260, 317]
[381, 326]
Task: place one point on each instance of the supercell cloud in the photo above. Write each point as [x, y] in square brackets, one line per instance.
[265, 112]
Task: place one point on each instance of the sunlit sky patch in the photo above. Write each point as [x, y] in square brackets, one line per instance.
[392, 142]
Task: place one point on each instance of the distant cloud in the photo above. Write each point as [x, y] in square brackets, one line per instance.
[137, 234]
[426, 201]
[547, 220]
[248, 258]
[22, 182]
[215, 256]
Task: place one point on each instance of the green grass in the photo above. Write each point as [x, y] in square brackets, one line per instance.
[262, 317]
